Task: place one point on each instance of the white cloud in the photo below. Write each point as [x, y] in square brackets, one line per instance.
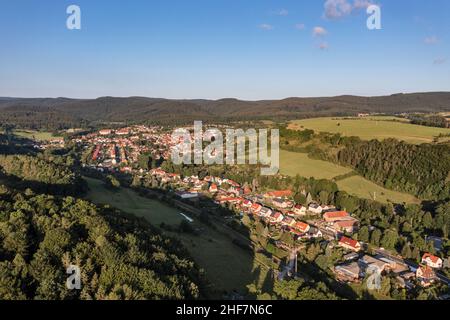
[431, 40]
[300, 26]
[319, 31]
[439, 61]
[362, 4]
[336, 9]
[266, 27]
[283, 12]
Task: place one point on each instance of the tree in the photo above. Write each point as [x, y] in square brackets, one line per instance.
[112, 182]
[323, 196]
[287, 290]
[427, 220]
[406, 251]
[375, 237]
[145, 161]
[363, 234]
[389, 239]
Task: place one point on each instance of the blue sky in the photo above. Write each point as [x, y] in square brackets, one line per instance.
[248, 49]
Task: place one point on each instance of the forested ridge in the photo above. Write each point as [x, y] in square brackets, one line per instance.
[60, 113]
[120, 257]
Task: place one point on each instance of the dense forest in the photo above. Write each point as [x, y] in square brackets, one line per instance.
[43, 231]
[44, 175]
[120, 257]
[430, 121]
[422, 170]
[60, 113]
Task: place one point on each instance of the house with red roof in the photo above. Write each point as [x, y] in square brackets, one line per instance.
[302, 227]
[213, 188]
[105, 132]
[426, 276]
[276, 217]
[432, 261]
[278, 194]
[247, 190]
[349, 226]
[247, 203]
[350, 244]
[336, 216]
[256, 208]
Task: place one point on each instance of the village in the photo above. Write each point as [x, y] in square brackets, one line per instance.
[113, 151]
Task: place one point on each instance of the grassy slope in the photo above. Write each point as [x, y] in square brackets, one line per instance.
[293, 163]
[372, 128]
[34, 135]
[227, 266]
[363, 188]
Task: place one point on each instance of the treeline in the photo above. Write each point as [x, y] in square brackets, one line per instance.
[422, 170]
[429, 121]
[43, 174]
[119, 256]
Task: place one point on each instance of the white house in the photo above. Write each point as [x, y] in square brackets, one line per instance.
[432, 261]
[315, 208]
[299, 210]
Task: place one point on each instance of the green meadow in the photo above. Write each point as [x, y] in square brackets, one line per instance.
[293, 163]
[372, 128]
[364, 188]
[34, 135]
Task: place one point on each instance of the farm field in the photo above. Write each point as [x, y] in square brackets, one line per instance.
[363, 188]
[293, 163]
[372, 128]
[227, 266]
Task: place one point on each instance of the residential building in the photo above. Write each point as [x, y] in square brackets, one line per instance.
[350, 244]
[432, 261]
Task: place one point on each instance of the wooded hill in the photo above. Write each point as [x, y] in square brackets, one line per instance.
[61, 113]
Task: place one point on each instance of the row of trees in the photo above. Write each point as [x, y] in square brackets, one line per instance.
[430, 121]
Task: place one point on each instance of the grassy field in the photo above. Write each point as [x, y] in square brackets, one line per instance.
[372, 128]
[363, 188]
[34, 135]
[227, 266]
[129, 201]
[293, 163]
